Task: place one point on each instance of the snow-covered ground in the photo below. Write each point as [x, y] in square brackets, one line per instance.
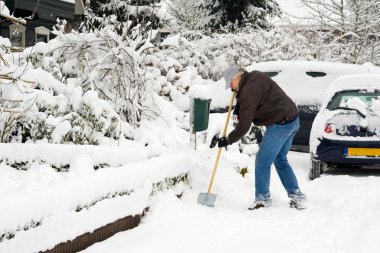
[42, 206]
[342, 215]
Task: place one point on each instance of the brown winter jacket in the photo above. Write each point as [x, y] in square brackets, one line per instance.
[262, 102]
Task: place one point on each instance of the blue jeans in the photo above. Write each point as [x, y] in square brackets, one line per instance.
[274, 148]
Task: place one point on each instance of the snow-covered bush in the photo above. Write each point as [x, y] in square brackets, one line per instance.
[5, 44]
[38, 107]
[111, 64]
[83, 125]
[210, 55]
[240, 13]
[188, 14]
[350, 29]
[140, 12]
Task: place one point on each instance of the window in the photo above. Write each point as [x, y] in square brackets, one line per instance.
[41, 34]
[17, 35]
[272, 73]
[341, 99]
[315, 74]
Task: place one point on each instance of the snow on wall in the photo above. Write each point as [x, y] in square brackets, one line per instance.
[74, 204]
[56, 154]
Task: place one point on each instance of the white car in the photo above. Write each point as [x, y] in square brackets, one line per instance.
[346, 130]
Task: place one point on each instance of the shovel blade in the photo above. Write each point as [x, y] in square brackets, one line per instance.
[207, 199]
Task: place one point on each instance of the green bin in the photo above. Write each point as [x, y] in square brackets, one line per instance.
[201, 114]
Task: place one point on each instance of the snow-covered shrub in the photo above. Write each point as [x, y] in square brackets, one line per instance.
[13, 105]
[211, 54]
[113, 65]
[141, 12]
[93, 119]
[168, 183]
[41, 108]
[5, 44]
[350, 29]
[230, 13]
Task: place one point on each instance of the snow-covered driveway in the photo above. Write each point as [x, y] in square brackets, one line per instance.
[343, 214]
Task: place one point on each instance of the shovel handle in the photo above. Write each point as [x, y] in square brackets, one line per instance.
[220, 149]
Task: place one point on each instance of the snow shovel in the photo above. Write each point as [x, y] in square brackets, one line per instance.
[207, 198]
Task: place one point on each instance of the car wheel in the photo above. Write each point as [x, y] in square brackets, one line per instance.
[316, 168]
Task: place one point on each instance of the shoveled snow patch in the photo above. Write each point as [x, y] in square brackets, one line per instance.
[341, 217]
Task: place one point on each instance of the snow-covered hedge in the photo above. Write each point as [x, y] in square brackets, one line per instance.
[211, 54]
[37, 106]
[63, 157]
[79, 201]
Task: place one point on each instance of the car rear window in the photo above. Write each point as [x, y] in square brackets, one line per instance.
[342, 97]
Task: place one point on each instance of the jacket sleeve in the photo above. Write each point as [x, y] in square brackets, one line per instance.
[249, 100]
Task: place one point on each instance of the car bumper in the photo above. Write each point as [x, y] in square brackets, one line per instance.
[348, 152]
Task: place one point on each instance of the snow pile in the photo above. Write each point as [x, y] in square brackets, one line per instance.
[41, 201]
[357, 104]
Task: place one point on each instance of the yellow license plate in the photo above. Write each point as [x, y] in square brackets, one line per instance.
[363, 152]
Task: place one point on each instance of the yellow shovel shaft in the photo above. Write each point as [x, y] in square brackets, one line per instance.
[220, 149]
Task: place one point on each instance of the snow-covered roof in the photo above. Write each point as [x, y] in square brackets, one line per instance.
[352, 82]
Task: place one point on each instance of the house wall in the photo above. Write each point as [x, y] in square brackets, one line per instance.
[46, 9]
[29, 34]
[46, 14]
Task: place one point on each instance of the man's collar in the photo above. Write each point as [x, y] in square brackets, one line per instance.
[242, 82]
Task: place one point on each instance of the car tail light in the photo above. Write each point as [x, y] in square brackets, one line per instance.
[329, 129]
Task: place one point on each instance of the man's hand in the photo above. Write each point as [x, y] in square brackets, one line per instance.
[223, 142]
[214, 141]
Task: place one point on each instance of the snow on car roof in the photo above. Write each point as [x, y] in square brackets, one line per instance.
[352, 82]
[295, 77]
[364, 81]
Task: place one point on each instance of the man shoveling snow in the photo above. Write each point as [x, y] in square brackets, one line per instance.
[264, 103]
